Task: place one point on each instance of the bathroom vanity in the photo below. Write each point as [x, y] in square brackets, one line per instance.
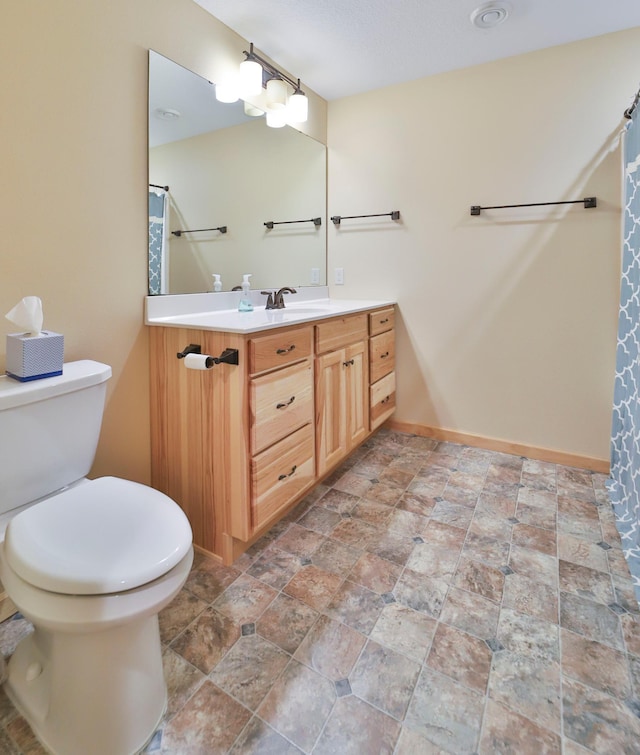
[238, 445]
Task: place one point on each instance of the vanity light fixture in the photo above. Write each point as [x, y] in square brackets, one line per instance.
[250, 79]
[252, 110]
[257, 73]
[276, 117]
[298, 106]
[227, 89]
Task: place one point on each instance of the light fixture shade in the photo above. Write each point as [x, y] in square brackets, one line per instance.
[250, 83]
[298, 108]
[277, 117]
[276, 93]
[227, 89]
[252, 110]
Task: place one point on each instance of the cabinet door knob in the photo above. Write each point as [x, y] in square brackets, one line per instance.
[284, 476]
[382, 322]
[385, 355]
[348, 362]
[282, 405]
[287, 350]
[384, 400]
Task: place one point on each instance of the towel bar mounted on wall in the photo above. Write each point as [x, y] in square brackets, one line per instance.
[222, 229]
[587, 202]
[394, 215]
[157, 186]
[271, 223]
[628, 113]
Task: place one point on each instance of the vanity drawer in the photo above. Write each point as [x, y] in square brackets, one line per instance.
[382, 355]
[279, 348]
[339, 332]
[383, 319]
[281, 402]
[383, 400]
[280, 474]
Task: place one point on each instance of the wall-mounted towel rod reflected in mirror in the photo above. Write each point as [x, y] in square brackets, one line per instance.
[628, 113]
[394, 215]
[221, 228]
[587, 202]
[157, 186]
[270, 223]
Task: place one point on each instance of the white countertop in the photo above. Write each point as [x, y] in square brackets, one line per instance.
[298, 309]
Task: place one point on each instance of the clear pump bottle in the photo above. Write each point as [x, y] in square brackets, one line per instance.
[217, 283]
[245, 304]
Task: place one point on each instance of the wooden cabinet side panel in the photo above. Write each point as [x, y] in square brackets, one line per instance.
[192, 431]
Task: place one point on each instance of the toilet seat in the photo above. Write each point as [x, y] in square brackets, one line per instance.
[105, 536]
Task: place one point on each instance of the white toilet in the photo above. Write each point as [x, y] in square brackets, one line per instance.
[90, 563]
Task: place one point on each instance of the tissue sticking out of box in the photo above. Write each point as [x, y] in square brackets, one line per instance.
[35, 353]
[27, 315]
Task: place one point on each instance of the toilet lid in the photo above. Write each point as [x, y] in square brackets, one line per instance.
[106, 535]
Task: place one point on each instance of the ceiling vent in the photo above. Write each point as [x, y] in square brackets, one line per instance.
[489, 15]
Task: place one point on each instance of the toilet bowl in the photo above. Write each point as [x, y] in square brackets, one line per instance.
[90, 565]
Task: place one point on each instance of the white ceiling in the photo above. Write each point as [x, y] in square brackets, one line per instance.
[343, 47]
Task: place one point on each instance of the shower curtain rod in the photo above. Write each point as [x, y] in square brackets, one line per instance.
[629, 111]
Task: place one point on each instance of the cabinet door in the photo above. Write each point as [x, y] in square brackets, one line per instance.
[357, 394]
[342, 395]
[331, 421]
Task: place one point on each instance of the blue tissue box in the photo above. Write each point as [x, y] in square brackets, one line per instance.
[34, 357]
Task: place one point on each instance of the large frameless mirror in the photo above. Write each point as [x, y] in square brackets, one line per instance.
[218, 179]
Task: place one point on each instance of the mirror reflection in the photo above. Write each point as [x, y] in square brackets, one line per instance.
[217, 180]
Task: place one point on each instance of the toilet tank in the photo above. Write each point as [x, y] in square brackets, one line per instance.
[49, 431]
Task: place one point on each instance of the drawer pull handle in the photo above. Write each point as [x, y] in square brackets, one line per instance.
[287, 350]
[284, 476]
[385, 355]
[348, 362]
[385, 400]
[382, 322]
[283, 405]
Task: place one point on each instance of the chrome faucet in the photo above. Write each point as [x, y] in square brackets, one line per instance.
[275, 299]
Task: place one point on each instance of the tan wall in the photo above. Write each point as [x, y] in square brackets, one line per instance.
[73, 197]
[508, 320]
[508, 325]
[242, 177]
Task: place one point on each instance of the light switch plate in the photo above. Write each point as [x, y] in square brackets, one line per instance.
[315, 276]
[339, 276]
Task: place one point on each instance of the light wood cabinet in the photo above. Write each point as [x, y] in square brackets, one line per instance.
[382, 361]
[342, 409]
[238, 445]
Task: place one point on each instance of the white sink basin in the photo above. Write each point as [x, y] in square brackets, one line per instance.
[304, 308]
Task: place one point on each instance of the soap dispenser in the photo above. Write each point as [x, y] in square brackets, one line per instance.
[245, 304]
[217, 283]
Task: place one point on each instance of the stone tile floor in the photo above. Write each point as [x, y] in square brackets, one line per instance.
[428, 598]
